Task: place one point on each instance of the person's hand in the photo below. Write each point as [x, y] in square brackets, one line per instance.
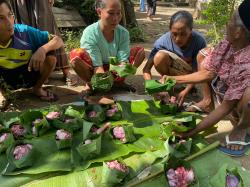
[164, 79]
[37, 59]
[181, 96]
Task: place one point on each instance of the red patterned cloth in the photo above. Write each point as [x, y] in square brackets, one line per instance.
[233, 68]
[133, 53]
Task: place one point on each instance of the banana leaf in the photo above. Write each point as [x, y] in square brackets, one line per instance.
[91, 149]
[219, 179]
[154, 86]
[113, 60]
[7, 143]
[7, 118]
[48, 158]
[148, 148]
[86, 129]
[28, 117]
[71, 112]
[40, 126]
[123, 70]
[179, 149]
[93, 176]
[112, 177]
[169, 108]
[69, 125]
[63, 144]
[26, 160]
[102, 82]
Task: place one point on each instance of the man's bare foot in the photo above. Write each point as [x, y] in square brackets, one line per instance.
[202, 106]
[45, 95]
[236, 135]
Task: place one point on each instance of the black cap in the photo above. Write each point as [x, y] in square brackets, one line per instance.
[244, 12]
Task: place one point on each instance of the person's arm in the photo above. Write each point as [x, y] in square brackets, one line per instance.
[193, 78]
[55, 43]
[214, 117]
[39, 56]
[147, 69]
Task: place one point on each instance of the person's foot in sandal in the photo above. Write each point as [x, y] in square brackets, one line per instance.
[237, 143]
[201, 106]
[46, 95]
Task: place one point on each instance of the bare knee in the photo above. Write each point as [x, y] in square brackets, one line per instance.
[160, 58]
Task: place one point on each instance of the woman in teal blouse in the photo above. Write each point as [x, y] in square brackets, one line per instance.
[104, 39]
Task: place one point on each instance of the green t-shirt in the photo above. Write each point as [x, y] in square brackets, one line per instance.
[100, 49]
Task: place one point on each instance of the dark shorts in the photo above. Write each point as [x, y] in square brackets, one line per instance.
[18, 78]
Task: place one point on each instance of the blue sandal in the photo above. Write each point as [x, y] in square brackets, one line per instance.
[236, 153]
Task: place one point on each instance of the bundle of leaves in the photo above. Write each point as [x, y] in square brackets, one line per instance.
[179, 173]
[113, 173]
[155, 86]
[102, 82]
[113, 113]
[21, 154]
[95, 113]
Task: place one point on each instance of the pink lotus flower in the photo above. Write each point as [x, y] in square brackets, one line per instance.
[92, 114]
[232, 181]
[21, 151]
[17, 130]
[63, 135]
[119, 133]
[3, 137]
[180, 177]
[112, 111]
[118, 166]
[53, 115]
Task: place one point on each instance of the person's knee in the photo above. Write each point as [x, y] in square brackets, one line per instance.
[160, 58]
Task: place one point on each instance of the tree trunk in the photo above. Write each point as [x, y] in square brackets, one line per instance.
[129, 19]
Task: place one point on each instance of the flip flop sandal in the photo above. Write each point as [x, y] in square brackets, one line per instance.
[50, 96]
[195, 108]
[236, 153]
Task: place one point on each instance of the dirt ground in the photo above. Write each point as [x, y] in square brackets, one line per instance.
[153, 29]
